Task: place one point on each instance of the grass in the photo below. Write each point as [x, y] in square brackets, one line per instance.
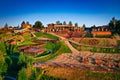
[118, 42]
[46, 77]
[81, 48]
[43, 54]
[27, 40]
[96, 49]
[100, 41]
[2, 47]
[62, 49]
[78, 74]
[25, 43]
[45, 35]
[50, 48]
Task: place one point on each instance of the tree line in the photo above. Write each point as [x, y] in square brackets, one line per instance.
[113, 25]
[69, 23]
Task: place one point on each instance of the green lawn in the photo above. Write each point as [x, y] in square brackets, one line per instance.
[28, 40]
[45, 35]
[25, 43]
[62, 49]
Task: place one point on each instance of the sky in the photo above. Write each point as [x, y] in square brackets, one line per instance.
[88, 12]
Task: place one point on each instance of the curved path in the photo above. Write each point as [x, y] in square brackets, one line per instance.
[71, 60]
[74, 51]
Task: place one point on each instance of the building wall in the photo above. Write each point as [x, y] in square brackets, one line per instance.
[61, 28]
[102, 33]
[26, 26]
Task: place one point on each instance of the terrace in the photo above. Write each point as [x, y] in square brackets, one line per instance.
[32, 49]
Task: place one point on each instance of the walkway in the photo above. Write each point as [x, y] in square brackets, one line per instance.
[74, 51]
[73, 60]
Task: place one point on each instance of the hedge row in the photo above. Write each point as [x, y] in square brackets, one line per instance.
[118, 42]
[105, 50]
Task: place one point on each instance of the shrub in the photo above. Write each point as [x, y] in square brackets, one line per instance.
[118, 42]
[104, 36]
[94, 49]
[89, 35]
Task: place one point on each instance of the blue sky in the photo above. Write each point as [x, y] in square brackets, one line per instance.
[88, 12]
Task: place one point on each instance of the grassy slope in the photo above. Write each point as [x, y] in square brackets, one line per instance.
[45, 35]
[27, 39]
[77, 74]
[96, 49]
[63, 49]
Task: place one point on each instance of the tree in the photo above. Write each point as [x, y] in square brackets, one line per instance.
[22, 74]
[1, 78]
[38, 24]
[118, 26]
[114, 25]
[3, 65]
[9, 48]
[64, 23]
[22, 60]
[83, 28]
[60, 23]
[22, 23]
[57, 22]
[84, 25]
[6, 26]
[76, 24]
[70, 23]
[8, 60]
[27, 22]
[94, 26]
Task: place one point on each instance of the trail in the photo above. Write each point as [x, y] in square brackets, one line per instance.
[74, 51]
[70, 60]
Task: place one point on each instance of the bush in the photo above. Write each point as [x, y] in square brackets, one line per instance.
[105, 50]
[89, 35]
[94, 49]
[118, 42]
[105, 36]
[22, 74]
